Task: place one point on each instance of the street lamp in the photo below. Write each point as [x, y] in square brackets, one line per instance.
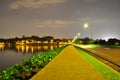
[78, 34]
[86, 25]
[75, 38]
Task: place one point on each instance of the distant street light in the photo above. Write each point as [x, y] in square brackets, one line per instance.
[86, 25]
[78, 34]
[75, 38]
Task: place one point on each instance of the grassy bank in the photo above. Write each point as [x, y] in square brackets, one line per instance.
[105, 71]
[98, 45]
[29, 67]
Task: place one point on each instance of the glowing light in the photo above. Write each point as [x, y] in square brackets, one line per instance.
[51, 41]
[51, 47]
[45, 42]
[78, 34]
[86, 25]
[45, 47]
[75, 37]
[2, 45]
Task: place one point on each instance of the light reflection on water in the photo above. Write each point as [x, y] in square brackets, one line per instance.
[1, 47]
[10, 55]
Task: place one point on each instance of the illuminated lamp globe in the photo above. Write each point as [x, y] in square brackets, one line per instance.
[86, 25]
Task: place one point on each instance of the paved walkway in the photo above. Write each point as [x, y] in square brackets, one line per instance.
[68, 65]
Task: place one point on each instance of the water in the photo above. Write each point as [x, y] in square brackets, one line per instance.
[10, 55]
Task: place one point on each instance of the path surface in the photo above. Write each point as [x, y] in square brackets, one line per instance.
[68, 65]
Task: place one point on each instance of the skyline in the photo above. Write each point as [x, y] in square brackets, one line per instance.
[60, 18]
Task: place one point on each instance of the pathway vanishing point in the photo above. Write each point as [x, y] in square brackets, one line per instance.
[68, 65]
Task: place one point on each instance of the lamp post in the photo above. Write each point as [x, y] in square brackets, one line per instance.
[75, 38]
[86, 25]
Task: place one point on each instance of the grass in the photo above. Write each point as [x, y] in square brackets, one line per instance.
[106, 72]
[98, 45]
[29, 67]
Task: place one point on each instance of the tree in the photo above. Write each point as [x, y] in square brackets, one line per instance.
[86, 40]
[47, 38]
[112, 41]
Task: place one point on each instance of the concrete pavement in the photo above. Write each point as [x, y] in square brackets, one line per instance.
[68, 65]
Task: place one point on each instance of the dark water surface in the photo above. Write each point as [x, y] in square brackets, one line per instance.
[10, 55]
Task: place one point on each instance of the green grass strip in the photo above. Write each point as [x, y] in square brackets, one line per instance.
[106, 72]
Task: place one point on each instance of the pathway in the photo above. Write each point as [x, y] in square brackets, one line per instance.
[68, 65]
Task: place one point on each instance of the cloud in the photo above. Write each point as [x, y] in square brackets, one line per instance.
[91, 0]
[66, 23]
[34, 3]
[54, 23]
[93, 20]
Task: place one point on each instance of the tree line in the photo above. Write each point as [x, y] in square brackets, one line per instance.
[110, 41]
[13, 40]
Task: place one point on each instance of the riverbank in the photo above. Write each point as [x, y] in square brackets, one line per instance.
[11, 55]
[26, 69]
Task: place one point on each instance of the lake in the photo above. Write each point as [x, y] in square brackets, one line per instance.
[10, 55]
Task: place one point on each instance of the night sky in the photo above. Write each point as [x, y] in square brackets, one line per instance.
[60, 18]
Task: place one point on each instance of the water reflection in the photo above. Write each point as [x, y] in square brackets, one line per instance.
[2, 47]
[12, 54]
[29, 48]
